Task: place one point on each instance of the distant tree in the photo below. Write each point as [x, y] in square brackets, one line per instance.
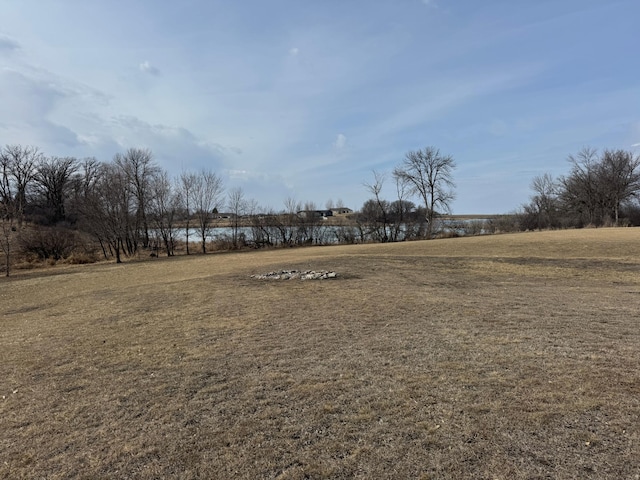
[619, 174]
[138, 166]
[82, 185]
[7, 232]
[543, 210]
[288, 222]
[402, 213]
[53, 181]
[186, 187]
[108, 211]
[580, 189]
[310, 225]
[20, 163]
[260, 221]
[429, 175]
[375, 212]
[237, 205]
[163, 208]
[207, 193]
[599, 185]
[6, 184]
[6, 210]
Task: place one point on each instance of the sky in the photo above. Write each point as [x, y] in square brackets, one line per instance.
[304, 100]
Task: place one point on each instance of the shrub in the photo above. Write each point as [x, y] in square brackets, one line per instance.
[55, 242]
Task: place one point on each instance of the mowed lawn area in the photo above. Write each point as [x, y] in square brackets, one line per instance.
[508, 356]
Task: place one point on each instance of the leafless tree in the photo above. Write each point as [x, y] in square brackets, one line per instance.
[288, 223]
[108, 212]
[237, 206]
[544, 204]
[53, 183]
[207, 193]
[163, 209]
[375, 212]
[186, 185]
[139, 167]
[580, 189]
[7, 232]
[619, 173]
[599, 184]
[310, 225]
[401, 212]
[20, 162]
[429, 175]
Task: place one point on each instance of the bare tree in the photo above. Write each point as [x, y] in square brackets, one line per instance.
[21, 163]
[430, 176]
[53, 183]
[139, 167]
[6, 181]
[288, 223]
[580, 189]
[207, 192]
[108, 210]
[7, 232]
[237, 206]
[310, 225]
[544, 203]
[376, 210]
[400, 211]
[186, 187]
[163, 209]
[619, 173]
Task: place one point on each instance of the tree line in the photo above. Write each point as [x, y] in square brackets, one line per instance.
[600, 189]
[124, 205]
[49, 205]
[53, 207]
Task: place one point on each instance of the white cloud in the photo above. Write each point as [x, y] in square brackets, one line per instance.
[430, 3]
[146, 67]
[294, 51]
[341, 142]
[635, 145]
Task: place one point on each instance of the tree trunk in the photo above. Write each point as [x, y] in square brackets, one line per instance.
[187, 236]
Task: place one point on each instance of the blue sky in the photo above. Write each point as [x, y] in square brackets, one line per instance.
[303, 99]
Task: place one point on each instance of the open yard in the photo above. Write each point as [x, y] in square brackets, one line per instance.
[512, 356]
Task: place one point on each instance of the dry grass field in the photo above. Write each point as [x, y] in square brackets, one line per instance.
[499, 357]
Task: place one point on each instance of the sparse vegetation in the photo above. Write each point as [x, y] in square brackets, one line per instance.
[511, 356]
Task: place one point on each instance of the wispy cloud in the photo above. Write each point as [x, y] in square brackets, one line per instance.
[341, 142]
[146, 67]
[294, 51]
[8, 44]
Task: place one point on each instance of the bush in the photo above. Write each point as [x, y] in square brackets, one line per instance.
[48, 243]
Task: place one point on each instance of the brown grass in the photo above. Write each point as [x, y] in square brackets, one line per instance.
[512, 356]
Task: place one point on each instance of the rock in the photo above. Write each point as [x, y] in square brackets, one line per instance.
[296, 274]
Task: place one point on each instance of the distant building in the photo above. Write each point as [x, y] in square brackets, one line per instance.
[315, 213]
[341, 210]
